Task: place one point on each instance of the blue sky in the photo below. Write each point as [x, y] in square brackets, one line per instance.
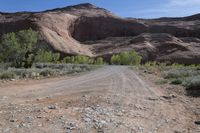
[123, 8]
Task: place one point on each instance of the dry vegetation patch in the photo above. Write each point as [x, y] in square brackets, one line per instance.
[176, 74]
[42, 70]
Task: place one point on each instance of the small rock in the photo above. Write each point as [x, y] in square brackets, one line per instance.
[5, 97]
[39, 117]
[87, 119]
[152, 98]
[197, 122]
[13, 120]
[169, 97]
[123, 111]
[7, 130]
[23, 125]
[167, 120]
[39, 125]
[51, 107]
[47, 119]
[141, 128]
[28, 118]
[119, 114]
[70, 126]
[103, 122]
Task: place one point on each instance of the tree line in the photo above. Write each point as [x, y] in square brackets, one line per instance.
[19, 49]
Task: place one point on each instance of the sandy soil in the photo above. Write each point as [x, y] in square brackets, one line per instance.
[112, 99]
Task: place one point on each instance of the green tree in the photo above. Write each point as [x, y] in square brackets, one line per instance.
[18, 48]
[134, 58]
[27, 40]
[68, 59]
[80, 59]
[115, 60]
[44, 56]
[8, 47]
[126, 58]
[99, 61]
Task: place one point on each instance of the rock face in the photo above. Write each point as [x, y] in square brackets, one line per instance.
[88, 30]
[157, 46]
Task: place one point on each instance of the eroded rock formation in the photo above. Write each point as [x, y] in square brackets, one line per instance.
[88, 30]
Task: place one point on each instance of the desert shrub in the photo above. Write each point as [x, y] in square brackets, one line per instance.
[180, 73]
[193, 83]
[41, 70]
[177, 74]
[25, 73]
[162, 66]
[47, 72]
[150, 66]
[5, 66]
[161, 81]
[176, 65]
[126, 58]
[176, 82]
[153, 67]
[7, 75]
[174, 74]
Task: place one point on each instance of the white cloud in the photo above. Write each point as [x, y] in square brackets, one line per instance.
[170, 8]
[175, 8]
[183, 3]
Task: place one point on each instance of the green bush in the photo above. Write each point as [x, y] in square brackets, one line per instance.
[67, 59]
[81, 59]
[161, 81]
[151, 66]
[44, 56]
[99, 61]
[154, 66]
[126, 58]
[193, 83]
[176, 82]
[176, 65]
[46, 72]
[40, 70]
[180, 73]
[18, 48]
[7, 75]
[115, 59]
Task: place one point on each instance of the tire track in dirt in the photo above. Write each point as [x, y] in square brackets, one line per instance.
[127, 98]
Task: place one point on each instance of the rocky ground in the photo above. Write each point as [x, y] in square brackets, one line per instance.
[109, 99]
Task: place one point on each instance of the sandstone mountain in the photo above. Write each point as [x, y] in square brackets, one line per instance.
[88, 30]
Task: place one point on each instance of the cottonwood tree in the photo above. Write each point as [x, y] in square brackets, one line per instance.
[19, 48]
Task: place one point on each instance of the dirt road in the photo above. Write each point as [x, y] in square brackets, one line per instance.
[112, 99]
